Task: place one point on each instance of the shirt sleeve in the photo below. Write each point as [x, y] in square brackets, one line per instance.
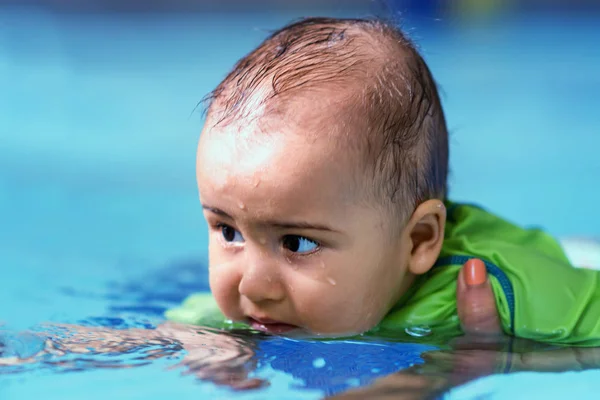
[201, 309]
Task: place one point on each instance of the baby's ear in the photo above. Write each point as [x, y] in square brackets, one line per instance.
[426, 231]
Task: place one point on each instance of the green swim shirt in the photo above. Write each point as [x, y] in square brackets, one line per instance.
[539, 294]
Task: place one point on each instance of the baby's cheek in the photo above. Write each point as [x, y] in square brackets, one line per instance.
[224, 288]
[361, 313]
[364, 315]
[333, 310]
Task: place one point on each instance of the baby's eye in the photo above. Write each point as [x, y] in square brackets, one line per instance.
[299, 244]
[230, 234]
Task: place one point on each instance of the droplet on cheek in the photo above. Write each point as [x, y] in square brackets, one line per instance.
[269, 279]
[331, 281]
[242, 206]
[256, 182]
[291, 262]
[322, 264]
[262, 240]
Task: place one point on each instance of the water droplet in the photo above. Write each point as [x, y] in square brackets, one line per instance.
[256, 182]
[242, 206]
[418, 331]
[331, 281]
[322, 264]
[319, 362]
[292, 263]
[262, 240]
[269, 279]
[375, 370]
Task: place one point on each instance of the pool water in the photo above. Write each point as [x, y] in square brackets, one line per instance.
[101, 225]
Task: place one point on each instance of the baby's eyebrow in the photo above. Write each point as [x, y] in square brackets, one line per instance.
[277, 224]
[216, 211]
[300, 225]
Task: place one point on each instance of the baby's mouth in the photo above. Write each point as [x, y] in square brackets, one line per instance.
[270, 326]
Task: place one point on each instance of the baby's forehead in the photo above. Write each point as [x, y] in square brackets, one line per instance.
[283, 164]
[323, 117]
[296, 128]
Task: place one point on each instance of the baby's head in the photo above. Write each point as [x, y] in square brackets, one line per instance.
[322, 172]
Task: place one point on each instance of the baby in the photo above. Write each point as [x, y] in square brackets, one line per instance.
[322, 171]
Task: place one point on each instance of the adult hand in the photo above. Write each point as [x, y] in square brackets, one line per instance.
[475, 302]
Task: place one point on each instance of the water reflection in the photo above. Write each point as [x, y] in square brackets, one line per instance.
[151, 293]
[467, 359]
[223, 358]
[244, 360]
[236, 359]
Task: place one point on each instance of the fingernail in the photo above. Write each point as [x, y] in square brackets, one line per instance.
[475, 273]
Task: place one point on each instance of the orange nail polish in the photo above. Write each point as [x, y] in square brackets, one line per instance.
[475, 273]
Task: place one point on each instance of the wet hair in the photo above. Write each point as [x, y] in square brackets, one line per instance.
[385, 82]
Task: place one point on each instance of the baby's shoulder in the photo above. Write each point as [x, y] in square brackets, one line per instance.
[474, 231]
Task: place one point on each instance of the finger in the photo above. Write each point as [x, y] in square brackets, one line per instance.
[475, 300]
[465, 365]
[559, 360]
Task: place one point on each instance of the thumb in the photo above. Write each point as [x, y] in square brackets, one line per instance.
[475, 300]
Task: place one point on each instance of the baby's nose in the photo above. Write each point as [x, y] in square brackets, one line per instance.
[261, 281]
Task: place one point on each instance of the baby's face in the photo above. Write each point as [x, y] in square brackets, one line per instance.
[292, 243]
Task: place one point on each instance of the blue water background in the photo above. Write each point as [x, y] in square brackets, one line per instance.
[98, 207]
